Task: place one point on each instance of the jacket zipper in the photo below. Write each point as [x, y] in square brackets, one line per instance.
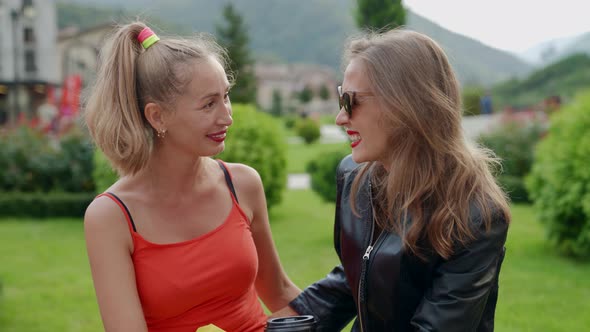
[365, 263]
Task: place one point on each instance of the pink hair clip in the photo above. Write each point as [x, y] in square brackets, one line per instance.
[147, 38]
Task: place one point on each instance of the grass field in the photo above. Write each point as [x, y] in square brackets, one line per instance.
[47, 284]
[300, 154]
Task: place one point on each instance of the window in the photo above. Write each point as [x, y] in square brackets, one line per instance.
[29, 35]
[30, 61]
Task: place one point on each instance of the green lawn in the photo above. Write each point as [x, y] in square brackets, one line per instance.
[47, 285]
[298, 155]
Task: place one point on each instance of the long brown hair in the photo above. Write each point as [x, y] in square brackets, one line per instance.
[128, 78]
[435, 176]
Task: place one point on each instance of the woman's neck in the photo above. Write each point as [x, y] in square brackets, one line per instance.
[173, 173]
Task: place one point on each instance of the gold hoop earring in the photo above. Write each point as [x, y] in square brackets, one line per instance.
[161, 133]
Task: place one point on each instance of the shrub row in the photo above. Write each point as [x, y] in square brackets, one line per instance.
[44, 205]
[31, 162]
[35, 172]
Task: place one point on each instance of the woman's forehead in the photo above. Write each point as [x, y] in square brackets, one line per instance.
[355, 77]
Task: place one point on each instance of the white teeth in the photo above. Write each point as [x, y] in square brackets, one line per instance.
[355, 137]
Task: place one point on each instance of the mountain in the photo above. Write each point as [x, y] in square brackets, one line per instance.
[474, 62]
[564, 78]
[580, 45]
[313, 31]
[557, 49]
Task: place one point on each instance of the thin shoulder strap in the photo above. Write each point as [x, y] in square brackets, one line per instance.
[228, 179]
[122, 206]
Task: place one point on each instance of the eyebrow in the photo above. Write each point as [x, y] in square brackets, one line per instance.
[215, 94]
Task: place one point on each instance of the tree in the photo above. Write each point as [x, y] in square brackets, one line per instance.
[276, 108]
[377, 14]
[324, 92]
[305, 95]
[234, 37]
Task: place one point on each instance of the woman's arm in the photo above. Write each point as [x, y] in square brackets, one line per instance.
[464, 286]
[272, 283]
[109, 248]
[329, 300]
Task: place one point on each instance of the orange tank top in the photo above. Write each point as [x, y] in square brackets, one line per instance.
[206, 280]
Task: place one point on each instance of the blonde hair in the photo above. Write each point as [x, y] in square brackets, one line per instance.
[128, 78]
[435, 178]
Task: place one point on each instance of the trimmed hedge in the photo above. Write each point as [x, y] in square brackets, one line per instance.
[559, 183]
[44, 205]
[31, 162]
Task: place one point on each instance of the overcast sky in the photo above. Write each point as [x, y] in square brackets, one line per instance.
[512, 25]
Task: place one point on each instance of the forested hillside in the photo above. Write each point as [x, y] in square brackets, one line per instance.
[564, 78]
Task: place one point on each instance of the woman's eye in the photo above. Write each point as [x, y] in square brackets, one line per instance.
[226, 96]
[209, 104]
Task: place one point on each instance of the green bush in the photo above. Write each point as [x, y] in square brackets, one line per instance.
[103, 174]
[322, 170]
[31, 162]
[559, 183]
[257, 139]
[514, 143]
[44, 205]
[308, 129]
[290, 121]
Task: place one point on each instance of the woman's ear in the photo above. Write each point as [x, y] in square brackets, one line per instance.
[155, 116]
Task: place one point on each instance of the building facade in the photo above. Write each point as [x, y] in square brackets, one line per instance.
[290, 79]
[28, 57]
[78, 51]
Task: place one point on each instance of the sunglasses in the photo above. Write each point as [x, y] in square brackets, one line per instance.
[347, 99]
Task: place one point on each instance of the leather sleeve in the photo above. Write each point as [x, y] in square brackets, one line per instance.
[330, 300]
[461, 285]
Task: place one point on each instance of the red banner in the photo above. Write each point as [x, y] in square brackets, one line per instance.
[70, 96]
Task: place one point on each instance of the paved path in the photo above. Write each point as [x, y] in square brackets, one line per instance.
[298, 181]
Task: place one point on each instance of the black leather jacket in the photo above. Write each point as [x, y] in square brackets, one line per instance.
[389, 289]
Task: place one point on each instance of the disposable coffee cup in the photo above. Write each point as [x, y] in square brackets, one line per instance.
[304, 323]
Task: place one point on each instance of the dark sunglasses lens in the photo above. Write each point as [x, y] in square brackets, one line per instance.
[346, 103]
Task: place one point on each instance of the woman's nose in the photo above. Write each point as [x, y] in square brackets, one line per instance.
[226, 118]
[342, 117]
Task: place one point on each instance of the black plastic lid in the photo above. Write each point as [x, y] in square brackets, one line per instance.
[292, 323]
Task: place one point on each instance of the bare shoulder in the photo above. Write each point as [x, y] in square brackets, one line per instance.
[245, 178]
[104, 217]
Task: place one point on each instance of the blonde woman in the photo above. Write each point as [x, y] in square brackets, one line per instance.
[420, 222]
[181, 240]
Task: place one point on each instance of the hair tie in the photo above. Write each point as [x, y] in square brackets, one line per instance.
[147, 38]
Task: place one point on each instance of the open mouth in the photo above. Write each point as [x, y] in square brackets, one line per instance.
[355, 138]
[218, 136]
